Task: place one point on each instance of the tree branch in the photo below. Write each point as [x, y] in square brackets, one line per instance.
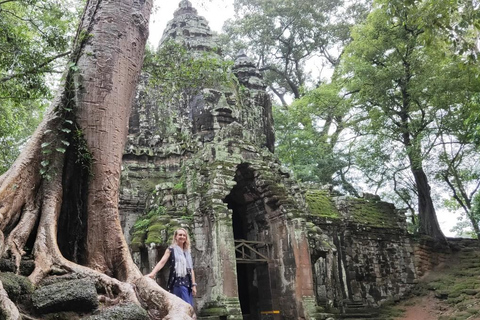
[35, 69]
[6, 1]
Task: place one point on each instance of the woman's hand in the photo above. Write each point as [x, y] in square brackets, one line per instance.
[151, 275]
[194, 290]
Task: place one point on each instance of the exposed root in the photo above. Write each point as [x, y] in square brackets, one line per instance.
[17, 239]
[43, 204]
[27, 317]
[20, 183]
[163, 304]
[115, 289]
[2, 243]
[108, 301]
[8, 309]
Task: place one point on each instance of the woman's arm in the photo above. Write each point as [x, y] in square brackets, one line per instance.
[160, 264]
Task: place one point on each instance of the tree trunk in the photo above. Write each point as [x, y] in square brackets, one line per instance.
[426, 211]
[63, 188]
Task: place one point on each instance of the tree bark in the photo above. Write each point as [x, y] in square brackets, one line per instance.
[427, 215]
[69, 173]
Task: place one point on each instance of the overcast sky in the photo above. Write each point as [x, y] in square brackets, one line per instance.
[215, 11]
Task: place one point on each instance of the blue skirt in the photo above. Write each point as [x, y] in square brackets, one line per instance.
[183, 293]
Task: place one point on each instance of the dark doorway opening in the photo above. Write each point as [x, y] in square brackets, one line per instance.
[251, 232]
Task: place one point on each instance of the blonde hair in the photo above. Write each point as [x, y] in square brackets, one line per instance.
[186, 245]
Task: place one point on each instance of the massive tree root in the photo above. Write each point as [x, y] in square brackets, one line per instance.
[61, 195]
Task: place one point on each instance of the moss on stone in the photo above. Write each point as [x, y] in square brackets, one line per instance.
[128, 311]
[321, 204]
[15, 285]
[150, 228]
[179, 187]
[218, 311]
[158, 226]
[372, 213]
[159, 232]
[138, 239]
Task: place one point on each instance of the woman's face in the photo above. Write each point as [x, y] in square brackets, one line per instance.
[181, 237]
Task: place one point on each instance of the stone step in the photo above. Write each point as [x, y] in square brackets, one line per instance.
[359, 316]
[353, 303]
[360, 311]
[322, 316]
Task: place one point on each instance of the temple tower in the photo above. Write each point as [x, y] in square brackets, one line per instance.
[206, 162]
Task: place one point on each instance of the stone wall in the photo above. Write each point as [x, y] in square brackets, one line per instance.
[361, 252]
[429, 254]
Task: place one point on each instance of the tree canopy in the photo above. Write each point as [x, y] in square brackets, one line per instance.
[34, 36]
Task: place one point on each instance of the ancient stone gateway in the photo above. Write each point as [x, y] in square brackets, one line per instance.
[215, 173]
[205, 161]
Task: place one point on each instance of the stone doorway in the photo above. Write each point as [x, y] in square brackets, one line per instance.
[252, 234]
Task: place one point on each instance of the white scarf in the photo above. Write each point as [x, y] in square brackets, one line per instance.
[183, 261]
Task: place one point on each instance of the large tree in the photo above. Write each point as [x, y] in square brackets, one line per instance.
[285, 35]
[404, 80]
[62, 191]
[311, 136]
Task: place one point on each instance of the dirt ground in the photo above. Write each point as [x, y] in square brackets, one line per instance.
[426, 308]
[421, 308]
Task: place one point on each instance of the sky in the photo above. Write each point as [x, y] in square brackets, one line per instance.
[215, 11]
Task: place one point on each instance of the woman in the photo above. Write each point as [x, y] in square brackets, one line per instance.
[181, 281]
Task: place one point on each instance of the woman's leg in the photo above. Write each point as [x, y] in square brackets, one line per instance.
[183, 293]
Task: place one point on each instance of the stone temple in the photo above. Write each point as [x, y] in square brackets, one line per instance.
[263, 247]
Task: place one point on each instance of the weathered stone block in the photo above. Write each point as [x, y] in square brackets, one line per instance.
[72, 295]
[121, 312]
[7, 265]
[15, 285]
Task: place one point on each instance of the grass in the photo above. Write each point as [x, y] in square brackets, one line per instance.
[456, 285]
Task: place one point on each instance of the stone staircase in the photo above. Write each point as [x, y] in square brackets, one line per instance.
[357, 311]
[313, 311]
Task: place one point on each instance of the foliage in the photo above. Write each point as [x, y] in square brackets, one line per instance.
[17, 122]
[283, 35]
[310, 133]
[404, 79]
[286, 38]
[34, 36]
[174, 70]
[459, 170]
[473, 122]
